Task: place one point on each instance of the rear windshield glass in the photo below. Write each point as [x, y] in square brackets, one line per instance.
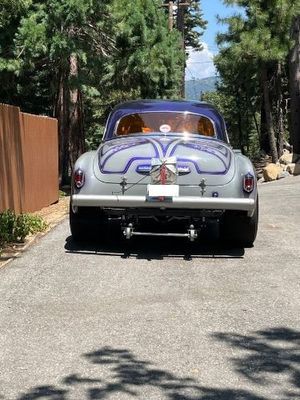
[165, 122]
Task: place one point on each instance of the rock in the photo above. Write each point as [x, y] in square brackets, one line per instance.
[283, 174]
[286, 158]
[294, 169]
[271, 172]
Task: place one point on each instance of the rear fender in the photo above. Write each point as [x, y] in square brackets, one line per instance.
[244, 167]
[85, 163]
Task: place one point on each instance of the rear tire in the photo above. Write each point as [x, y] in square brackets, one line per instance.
[87, 223]
[238, 229]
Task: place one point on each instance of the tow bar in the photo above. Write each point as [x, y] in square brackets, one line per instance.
[191, 234]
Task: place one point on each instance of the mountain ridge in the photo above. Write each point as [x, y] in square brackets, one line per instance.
[194, 87]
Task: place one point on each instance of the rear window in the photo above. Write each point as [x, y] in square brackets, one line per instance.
[165, 122]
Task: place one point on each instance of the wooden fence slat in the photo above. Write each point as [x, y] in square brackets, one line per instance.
[28, 160]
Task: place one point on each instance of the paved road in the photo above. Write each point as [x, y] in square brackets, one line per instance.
[159, 319]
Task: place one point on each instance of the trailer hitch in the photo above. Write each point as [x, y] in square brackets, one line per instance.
[129, 232]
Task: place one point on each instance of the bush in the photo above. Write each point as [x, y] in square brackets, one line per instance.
[7, 223]
[15, 228]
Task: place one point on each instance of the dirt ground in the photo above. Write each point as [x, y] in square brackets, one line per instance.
[52, 215]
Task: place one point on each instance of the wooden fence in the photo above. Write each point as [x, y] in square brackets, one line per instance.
[28, 160]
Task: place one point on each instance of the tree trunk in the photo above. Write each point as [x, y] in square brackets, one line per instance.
[180, 27]
[240, 131]
[263, 136]
[268, 113]
[294, 82]
[279, 110]
[76, 131]
[60, 112]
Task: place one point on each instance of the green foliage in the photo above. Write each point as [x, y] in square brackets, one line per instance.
[253, 55]
[7, 223]
[194, 25]
[247, 139]
[148, 59]
[123, 50]
[10, 9]
[62, 194]
[15, 228]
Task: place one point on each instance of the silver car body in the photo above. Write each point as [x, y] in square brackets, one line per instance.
[208, 175]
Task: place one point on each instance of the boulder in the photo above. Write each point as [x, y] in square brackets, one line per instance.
[286, 158]
[271, 172]
[294, 169]
[283, 174]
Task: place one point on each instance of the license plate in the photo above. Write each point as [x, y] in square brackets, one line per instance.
[163, 190]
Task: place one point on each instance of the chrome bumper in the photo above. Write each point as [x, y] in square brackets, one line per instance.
[185, 202]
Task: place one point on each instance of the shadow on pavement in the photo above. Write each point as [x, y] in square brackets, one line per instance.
[270, 353]
[129, 376]
[155, 248]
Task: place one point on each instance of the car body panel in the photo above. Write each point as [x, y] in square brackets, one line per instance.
[196, 157]
[209, 172]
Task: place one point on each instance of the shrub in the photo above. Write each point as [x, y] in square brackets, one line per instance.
[15, 228]
[7, 223]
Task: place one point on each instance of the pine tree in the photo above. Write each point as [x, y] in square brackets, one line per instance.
[74, 59]
[147, 59]
[59, 41]
[189, 21]
[262, 39]
[194, 25]
[294, 64]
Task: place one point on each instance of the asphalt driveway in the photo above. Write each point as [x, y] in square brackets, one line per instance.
[157, 318]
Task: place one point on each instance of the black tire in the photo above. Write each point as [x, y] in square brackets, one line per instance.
[239, 229]
[87, 223]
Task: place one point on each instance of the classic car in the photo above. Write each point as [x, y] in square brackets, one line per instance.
[164, 161]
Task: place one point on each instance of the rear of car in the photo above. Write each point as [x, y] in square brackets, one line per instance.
[166, 161]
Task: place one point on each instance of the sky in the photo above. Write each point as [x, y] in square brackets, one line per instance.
[200, 64]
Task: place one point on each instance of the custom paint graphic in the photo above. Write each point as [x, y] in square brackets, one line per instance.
[187, 151]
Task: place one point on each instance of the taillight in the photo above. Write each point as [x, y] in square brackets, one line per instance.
[79, 178]
[248, 184]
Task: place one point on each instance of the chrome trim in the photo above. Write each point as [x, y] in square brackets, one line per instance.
[183, 202]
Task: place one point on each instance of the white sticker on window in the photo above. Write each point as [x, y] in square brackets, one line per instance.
[165, 128]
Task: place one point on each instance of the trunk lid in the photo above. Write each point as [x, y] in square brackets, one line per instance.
[196, 157]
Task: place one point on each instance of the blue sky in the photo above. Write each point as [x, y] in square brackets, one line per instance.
[199, 64]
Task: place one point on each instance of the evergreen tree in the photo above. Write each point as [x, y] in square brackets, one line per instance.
[59, 40]
[294, 68]
[189, 21]
[194, 25]
[11, 12]
[147, 59]
[74, 59]
[262, 40]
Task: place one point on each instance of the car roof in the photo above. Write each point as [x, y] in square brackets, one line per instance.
[140, 106]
